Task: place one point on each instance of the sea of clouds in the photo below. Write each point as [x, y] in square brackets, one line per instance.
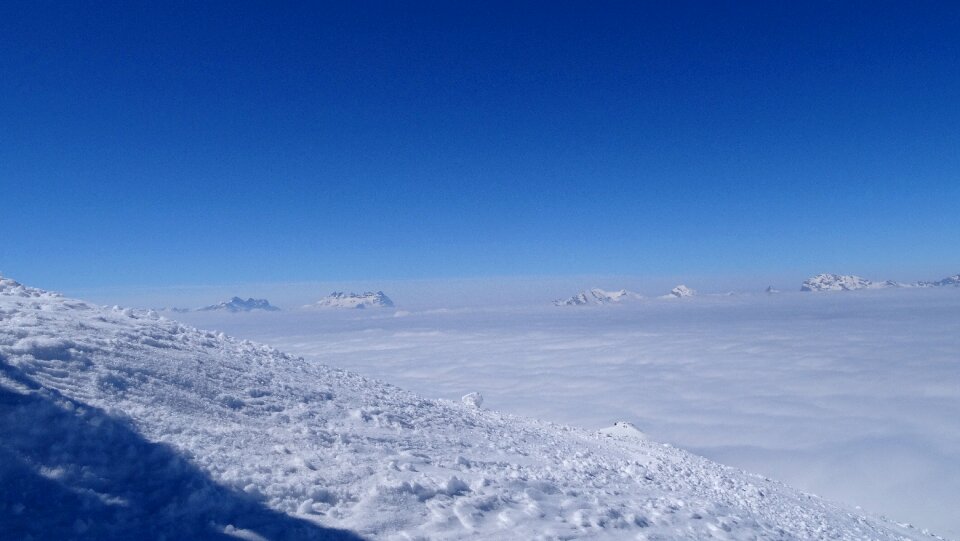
[853, 396]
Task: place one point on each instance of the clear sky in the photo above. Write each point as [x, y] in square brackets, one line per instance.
[165, 143]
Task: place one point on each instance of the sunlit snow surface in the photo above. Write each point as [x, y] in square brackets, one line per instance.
[121, 424]
[853, 396]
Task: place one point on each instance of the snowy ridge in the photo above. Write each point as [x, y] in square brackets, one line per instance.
[842, 282]
[838, 282]
[236, 304]
[119, 423]
[596, 296]
[12, 288]
[949, 281]
[340, 299]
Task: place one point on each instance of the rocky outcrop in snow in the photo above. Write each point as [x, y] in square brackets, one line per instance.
[120, 424]
[237, 304]
[340, 299]
[596, 296]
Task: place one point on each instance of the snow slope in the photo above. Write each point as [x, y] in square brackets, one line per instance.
[120, 423]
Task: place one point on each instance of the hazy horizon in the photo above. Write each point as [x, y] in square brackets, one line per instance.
[442, 293]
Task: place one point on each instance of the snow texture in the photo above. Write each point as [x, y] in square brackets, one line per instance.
[340, 299]
[119, 424]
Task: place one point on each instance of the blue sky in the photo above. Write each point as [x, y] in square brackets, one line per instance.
[170, 143]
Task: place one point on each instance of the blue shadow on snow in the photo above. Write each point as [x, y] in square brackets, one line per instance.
[74, 472]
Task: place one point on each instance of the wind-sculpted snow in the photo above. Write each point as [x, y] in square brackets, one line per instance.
[120, 423]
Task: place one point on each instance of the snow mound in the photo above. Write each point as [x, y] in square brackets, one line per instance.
[340, 299]
[237, 304]
[474, 399]
[624, 431]
[596, 296]
[120, 424]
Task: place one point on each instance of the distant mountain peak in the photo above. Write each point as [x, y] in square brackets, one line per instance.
[236, 304]
[681, 291]
[837, 282]
[596, 296]
[850, 282]
[949, 281]
[342, 299]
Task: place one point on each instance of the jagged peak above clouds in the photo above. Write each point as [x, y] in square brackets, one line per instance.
[596, 296]
[236, 304]
[850, 282]
[837, 282]
[949, 281]
[681, 291]
[342, 299]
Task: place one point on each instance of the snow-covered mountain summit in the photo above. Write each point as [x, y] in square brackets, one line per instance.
[839, 282]
[236, 304]
[596, 296]
[949, 281]
[340, 299]
[120, 424]
[680, 291]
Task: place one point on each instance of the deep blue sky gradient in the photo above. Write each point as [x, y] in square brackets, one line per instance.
[202, 143]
